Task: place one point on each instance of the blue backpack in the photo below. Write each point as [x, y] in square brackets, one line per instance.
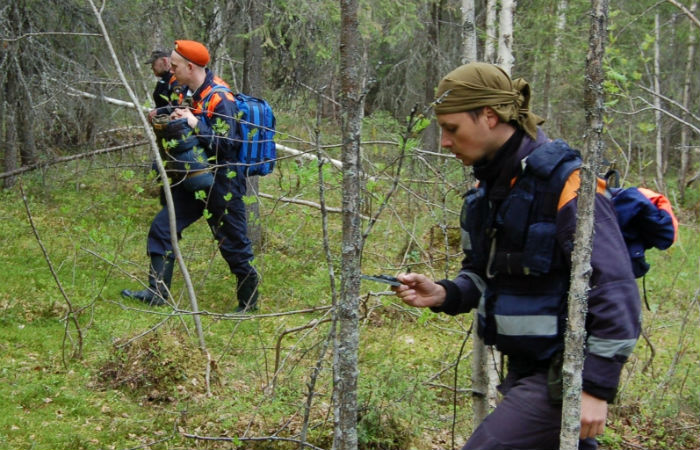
[258, 151]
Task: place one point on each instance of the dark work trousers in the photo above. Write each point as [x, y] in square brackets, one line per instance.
[227, 222]
[524, 420]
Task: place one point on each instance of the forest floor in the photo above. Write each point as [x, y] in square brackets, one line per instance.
[83, 368]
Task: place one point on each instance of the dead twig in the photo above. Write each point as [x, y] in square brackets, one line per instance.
[313, 324]
[71, 316]
[63, 159]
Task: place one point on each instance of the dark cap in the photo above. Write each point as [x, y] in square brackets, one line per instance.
[155, 54]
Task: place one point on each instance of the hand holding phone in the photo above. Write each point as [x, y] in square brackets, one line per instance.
[388, 279]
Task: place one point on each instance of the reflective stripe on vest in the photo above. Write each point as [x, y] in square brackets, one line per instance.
[526, 325]
[481, 286]
[514, 244]
[608, 348]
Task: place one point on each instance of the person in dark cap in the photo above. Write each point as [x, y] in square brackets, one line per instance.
[517, 235]
[210, 117]
[160, 65]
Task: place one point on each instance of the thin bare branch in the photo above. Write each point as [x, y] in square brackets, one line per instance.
[71, 158]
[304, 202]
[75, 92]
[71, 316]
[686, 11]
[48, 33]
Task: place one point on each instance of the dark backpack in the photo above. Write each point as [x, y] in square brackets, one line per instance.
[645, 217]
[258, 151]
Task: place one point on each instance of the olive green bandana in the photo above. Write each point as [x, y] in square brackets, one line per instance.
[476, 85]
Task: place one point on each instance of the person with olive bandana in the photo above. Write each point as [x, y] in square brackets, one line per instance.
[518, 229]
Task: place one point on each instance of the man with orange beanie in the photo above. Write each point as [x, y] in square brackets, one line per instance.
[212, 120]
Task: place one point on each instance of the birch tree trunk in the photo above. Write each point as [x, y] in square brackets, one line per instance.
[491, 31]
[348, 336]
[685, 150]
[216, 35]
[562, 6]
[657, 109]
[505, 35]
[581, 257]
[483, 391]
[469, 53]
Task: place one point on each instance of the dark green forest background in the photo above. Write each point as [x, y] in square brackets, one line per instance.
[83, 368]
[54, 51]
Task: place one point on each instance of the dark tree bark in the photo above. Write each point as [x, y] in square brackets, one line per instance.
[594, 102]
[20, 147]
[253, 85]
[431, 135]
[25, 73]
[10, 137]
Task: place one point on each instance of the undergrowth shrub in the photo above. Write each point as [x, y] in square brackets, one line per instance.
[159, 367]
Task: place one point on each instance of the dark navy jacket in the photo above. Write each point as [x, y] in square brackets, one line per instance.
[613, 319]
[213, 107]
[164, 89]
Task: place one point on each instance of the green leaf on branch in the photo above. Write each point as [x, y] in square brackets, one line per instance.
[421, 124]
[646, 127]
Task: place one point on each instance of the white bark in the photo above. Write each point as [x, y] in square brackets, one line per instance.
[216, 37]
[468, 32]
[657, 106]
[480, 379]
[480, 359]
[491, 358]
[491, 31]
[562, 7]
[685, 153]
[690, 14]
[505, 35]
[113, 101]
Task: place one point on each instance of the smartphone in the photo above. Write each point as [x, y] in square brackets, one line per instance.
[388, 279]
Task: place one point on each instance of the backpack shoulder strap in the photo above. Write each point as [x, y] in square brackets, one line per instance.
[206, 103]
[555, 157]
[550, 166]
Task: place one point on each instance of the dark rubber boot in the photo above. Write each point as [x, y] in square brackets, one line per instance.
[159, 279]
[247, 292]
